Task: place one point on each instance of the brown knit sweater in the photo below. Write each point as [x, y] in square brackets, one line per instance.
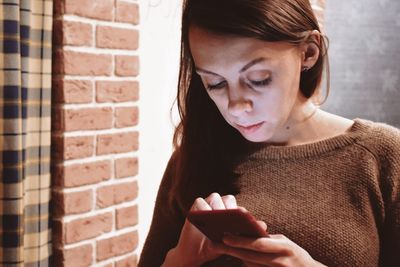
[338, 198]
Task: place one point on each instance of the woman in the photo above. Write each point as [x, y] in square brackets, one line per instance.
[252, 135]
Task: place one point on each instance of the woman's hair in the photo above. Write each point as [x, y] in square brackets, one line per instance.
[206, 147]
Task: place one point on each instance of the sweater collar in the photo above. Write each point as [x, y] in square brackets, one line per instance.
[356, 132]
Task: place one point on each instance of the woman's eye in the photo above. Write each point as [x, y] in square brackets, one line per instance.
[219, 85]
[261, 82]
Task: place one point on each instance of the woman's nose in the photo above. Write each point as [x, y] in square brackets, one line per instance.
[239, 106]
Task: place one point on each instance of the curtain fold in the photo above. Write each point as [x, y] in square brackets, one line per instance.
[25, 108]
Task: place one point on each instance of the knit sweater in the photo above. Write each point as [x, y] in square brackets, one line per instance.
[338, 198]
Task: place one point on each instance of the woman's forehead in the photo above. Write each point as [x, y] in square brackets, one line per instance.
[209, 48]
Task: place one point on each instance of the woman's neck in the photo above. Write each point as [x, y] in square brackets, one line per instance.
[310, 125]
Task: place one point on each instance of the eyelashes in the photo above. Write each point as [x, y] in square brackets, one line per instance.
[250, 83]
[219, 85]
[261, 83]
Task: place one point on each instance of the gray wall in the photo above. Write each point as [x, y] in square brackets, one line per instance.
[364, 58]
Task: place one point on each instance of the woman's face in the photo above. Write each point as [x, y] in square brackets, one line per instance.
[254, 84]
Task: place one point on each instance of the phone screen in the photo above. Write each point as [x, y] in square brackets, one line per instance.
[214, 223]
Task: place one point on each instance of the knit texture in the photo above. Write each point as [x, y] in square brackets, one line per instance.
[338, 198]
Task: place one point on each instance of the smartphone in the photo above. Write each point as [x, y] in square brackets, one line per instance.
[214, 223]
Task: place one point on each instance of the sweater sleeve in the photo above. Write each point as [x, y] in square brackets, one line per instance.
[390, 182]
[165, 226]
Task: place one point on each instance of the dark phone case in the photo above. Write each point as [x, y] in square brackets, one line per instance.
[214, 223]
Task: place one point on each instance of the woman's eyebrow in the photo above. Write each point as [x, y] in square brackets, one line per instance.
[206, 71]
[246, 67]
[253, 62]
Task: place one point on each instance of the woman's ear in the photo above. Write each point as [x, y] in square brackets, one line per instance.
[310, 50]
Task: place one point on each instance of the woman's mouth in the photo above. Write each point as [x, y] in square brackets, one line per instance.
[249, 128]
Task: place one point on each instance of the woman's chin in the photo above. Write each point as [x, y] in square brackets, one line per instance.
[256, 138]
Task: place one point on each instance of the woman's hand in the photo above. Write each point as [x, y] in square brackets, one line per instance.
[274, 250]
[193, 248]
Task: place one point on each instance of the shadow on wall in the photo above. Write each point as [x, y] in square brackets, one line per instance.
[364, 58]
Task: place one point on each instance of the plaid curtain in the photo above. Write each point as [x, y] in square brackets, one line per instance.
[25, 84]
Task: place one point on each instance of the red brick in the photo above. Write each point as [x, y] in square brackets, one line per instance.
[126, 65]
[126, 167]
[72, 91]
[116, 194]
[126, 217]
[99, 9]
[57, 204]
[117, 143]
[58, 8]
[57, 117]
[127, 12]
[117, 38]
[57, 61]
[81, 256]
[71, 147]
[65, 148]
[57, 148]
[116, 246]
[117, 91]
[126, 192]
[130, 261]
[82, 174]
[57, 232]
[88, 228]
[87, 119]
[57, 29]
[78, 202]
[83, 64]
[126, 117]
[73, 33]
[78, 147]
[72, 203]
[105, 196]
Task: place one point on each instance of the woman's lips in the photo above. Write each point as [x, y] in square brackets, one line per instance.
[250, 128]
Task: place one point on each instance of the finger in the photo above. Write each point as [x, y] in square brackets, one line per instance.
[189, 228]
[229, 202]
[263, 225]
[200, 204]
[263, 244]
[215, 201]
[279, 237]
[252, 258]
[242, 208]
[217, 247]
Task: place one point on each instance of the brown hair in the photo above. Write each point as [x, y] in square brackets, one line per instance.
[206, 147]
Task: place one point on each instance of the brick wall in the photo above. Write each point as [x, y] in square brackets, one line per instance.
[95, 135]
